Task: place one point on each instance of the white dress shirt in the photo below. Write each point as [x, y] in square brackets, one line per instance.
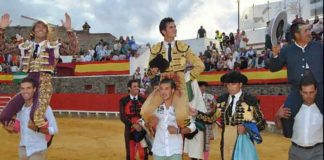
[237, 97]
[166, 45]
[308, 126]
[41, 44]
[166, 144]
[132, 97]
[34, 141]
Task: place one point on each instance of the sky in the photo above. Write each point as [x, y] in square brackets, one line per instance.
[138, 18]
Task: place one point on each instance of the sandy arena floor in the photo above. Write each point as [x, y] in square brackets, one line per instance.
[102, 139]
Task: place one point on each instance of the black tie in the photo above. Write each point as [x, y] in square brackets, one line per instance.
[35, 51]
[230, 107]
[169, 52]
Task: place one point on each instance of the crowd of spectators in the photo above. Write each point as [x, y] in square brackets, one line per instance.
[10, 60]
[234, 52]
[120, 49]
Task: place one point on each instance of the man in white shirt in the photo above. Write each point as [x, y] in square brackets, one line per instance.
[307, 136]
[168, 141]
[33, 140]
[230, 63]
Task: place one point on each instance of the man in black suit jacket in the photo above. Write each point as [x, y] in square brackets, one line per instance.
[302, 58]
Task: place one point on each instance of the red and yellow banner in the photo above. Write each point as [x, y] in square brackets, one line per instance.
[255, 76]
[6, 78]
[102, 68]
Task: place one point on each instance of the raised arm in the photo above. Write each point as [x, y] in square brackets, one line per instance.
[278, 60]
[4, 23]
[73, 42]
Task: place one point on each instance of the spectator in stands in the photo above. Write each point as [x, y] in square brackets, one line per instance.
[207, 53]
[236, 56]
[137, 75]
[6, 68]
[231, 40]
[251, 57]
[122, 57]
[243, 63]
[91, 51]
[123, 50]
[201, 32]
[220, 63]
[213, 60]
[14, 67]
[117, 47]
[244, 40]
[243, 59]
[317, 29]
[297, 19]
[207, 64]
[267, 36]
[230, 63]
[87, 57]
[127, 40]
[121, 40]
[115, 58]
[259, 62]
[243, 53]
[8, 59]
[130, 41]
[237, 39]
[219, 37]
[214, 47]
[79, 58]
[107, 52]
[146, 80]
[98, 51]
[133, 46]
[227, 49]
[225, 40]
[211, 45]
[2, 59]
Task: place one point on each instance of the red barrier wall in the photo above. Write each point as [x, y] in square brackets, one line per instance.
[86, 102]
[110, 103]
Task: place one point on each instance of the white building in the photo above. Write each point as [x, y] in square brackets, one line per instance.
[253, 19]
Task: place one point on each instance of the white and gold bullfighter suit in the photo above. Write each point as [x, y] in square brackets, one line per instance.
[38, 61]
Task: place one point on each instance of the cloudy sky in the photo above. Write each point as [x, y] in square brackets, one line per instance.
[139, 18]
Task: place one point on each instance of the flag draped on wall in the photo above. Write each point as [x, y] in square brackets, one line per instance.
[255, 76]
[12, 77]
[102, 68]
